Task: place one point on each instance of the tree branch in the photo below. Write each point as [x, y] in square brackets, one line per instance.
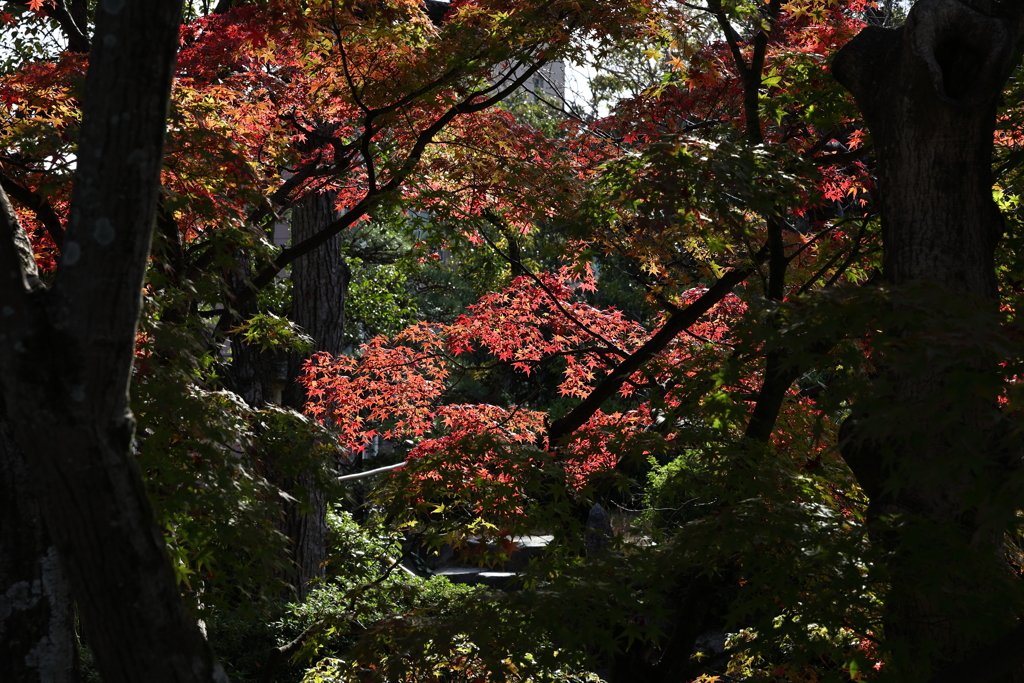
[731, 36]
[56, 10]
[39, 205]
[677, 322]
[77, 40]
[370, 473]
[370, 200]
[279, 654]
[777, 376]
[576, 321]
[14, 283]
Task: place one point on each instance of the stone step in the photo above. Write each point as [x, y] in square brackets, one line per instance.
[456, 565]
[477, 577]
[527, 548]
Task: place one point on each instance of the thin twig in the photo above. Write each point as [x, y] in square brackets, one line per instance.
[540, 283]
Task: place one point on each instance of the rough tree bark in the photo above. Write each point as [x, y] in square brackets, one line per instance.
[928, 92]
[320, 282]
[37, 625]
[66, 360]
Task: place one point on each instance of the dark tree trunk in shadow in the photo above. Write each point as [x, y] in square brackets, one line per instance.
[79, 11]
[668, 660]
[37, 621]
[66, 359]
[320, 282]
[251, 371]
[928, 92]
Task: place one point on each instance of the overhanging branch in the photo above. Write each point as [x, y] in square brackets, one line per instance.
[39, 205]
[425, 137]
[56, 10]
[677, 322]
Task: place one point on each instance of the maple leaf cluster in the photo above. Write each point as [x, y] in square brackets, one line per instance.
[395, 388]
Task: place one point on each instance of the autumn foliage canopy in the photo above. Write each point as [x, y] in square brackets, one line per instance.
[667, 300]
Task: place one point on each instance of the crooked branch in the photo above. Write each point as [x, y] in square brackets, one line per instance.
[370, 200]
[38, 204]
[677, 322]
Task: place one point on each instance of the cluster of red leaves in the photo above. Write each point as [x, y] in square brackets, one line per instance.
[532, 321]
[264, 91]
[38, 117]
[491, 163]
[839, 184]
[43, 246]
[391, 389]
[396, 387]
[292, 85]
[803, 432]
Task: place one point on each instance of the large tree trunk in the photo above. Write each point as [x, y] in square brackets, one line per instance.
[928, 92]
[320, 282]
[37, 625]
[66, 360]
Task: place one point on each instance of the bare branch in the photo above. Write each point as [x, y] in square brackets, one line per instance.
[58, 11]
[731, 36]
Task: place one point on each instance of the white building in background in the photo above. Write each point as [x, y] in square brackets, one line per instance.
[547, 83]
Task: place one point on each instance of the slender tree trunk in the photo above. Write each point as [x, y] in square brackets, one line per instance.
[37, 624]
[320, 282]
[928, 92]
[79, 11]
[320, 287]
[66, 360]
[247, 374]
[779, 374]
